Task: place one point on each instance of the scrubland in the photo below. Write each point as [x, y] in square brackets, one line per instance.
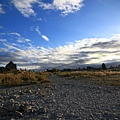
[18, 78]
[14, 78]
[99, 77]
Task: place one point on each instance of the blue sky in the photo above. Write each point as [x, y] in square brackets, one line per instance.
[43, 34]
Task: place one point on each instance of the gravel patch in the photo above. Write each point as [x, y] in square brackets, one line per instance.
[66, 99]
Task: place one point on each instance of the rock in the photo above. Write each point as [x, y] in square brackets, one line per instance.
[17, 107]
[11, 119]
[30, 91]
[16, 96]
[1, 100]
[71, 116]
[23, 107]
[12, 100]
[3, 112]
[44, 117]
[9, 106]
[17, 114]
[42, 110]
[10, 114]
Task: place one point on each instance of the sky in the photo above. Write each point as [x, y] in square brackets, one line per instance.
[46, 34]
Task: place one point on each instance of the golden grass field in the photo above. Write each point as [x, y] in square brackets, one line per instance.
[99, 77]
[25, 77]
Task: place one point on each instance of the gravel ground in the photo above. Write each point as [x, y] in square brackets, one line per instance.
[65, 100]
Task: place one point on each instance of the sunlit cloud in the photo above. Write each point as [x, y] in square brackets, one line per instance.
[1, 9]
[25, 7]
[23, 40]
[15, 33]
[65, 6]
[89, 51]
[37, 30]
[16, 36]
[45, 37]
[68, 6]
[39, 33]
[116, 37]
[3, 40]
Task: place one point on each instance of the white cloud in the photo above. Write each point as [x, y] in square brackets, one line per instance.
[23, 40]
[66, 6]
[2, 33]
[25, 7]
[45, 37]
[3, 40]
[73, 55]
[116, 37]
[14, 33]
[39, 19]
[27, 40]
[37, 30]
[1, 9]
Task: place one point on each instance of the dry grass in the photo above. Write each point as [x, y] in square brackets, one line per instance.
[22, 78]
[11, 79]
[101, 77]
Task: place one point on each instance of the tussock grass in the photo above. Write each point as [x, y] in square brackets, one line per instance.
[101, 77]
[22, 78]
[11, 79]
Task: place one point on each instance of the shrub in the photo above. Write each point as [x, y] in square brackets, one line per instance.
[23, 77]
[29, 77]
[11, 80]
[104, 66]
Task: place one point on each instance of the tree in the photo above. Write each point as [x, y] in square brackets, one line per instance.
[104, 66]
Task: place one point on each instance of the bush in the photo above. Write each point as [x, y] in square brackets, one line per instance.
[104, 66]
[28, 77]
[11, 80]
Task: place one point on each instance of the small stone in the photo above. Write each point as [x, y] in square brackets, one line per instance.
[10, 114]
[10, 108]
[30, 91]
[3, 112]
[18, 114]
[17, 107]
[23, 107]
[1, 100]
[11, 119]
[42, 110]
[16, 96]
[12, 100]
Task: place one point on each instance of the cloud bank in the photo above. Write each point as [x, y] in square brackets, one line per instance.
[89, 51]
[65, 6]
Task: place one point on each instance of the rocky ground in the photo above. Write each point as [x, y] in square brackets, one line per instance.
[64, 100]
